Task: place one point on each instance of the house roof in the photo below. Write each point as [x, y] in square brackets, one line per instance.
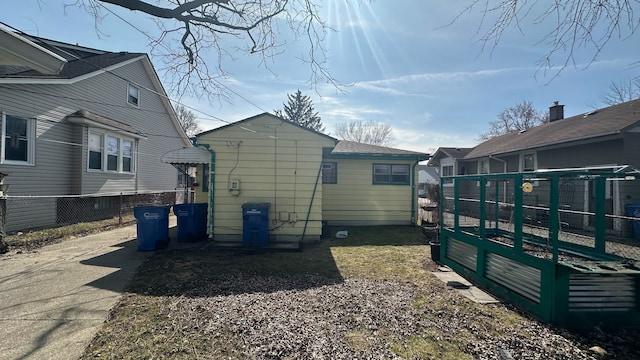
[607, 121]
[89, 118]
[249, 119]
[353, 149]
[79, 60]
[452, 152]
[428, 175]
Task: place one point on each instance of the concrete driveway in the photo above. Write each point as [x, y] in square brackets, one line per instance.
[54, 300]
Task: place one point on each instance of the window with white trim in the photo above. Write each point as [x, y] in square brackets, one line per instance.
[18, 140]
[133, 96]
[110, 152]
[447, 170]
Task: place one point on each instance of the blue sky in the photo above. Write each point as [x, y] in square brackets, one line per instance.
[404, 66]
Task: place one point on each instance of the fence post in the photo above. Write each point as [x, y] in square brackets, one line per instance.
[4, 247]
[120, 211]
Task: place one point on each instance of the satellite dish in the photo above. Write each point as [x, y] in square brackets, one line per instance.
[527, 187]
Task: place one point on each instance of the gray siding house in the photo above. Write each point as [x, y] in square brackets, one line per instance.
[604, 139]
[79, 121]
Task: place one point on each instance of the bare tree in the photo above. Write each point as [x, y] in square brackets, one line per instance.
[519, 117]
[619, 92]
[575, 24]
[367, 132]
[187, 120]
[189, 29]
[299, 109]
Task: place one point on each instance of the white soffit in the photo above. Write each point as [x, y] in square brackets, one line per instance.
[17, 50]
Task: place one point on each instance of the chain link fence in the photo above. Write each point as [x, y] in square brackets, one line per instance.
[38, 212]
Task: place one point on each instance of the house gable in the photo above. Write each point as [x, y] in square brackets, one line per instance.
[267, 160]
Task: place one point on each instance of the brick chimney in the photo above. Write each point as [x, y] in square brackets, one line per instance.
[556, 112]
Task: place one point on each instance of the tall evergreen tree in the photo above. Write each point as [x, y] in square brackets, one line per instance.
[299, 110]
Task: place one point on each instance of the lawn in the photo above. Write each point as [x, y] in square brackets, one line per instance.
[368, 296]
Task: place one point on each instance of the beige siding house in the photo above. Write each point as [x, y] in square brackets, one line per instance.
[373, 185]
[79, 121]
[306, 177]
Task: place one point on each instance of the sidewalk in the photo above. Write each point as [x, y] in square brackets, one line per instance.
[54, 300]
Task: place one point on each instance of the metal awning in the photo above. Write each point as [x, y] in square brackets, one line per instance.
[187, 156]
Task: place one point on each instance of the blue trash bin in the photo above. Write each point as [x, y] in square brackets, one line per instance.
[255, 224]
[633, 210]
[192, 221]
[152, 226]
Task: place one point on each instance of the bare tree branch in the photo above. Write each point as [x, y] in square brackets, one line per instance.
[519, 117]
[369, 132]
[622, 91]
[577, 24]
[192, 30]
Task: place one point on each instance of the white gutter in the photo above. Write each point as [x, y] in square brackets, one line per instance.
[17, 50]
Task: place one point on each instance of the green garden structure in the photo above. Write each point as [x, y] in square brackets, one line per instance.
[557, 243]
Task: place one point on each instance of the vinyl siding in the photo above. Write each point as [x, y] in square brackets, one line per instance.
[281, 171]
[61, 147]
[354, 200]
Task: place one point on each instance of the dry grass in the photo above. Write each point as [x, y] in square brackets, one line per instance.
[371, 295]
[34, 239]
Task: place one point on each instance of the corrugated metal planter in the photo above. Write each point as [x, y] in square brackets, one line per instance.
[573, 279]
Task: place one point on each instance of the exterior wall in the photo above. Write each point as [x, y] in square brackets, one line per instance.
[355, 200]
[278, 164]
[601, 153]
[631, 149]
[61, 147]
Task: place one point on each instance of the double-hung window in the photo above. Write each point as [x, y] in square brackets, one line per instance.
[110, 152]
[391, 174]
[18, 140]
[133, 96]
[447, 170]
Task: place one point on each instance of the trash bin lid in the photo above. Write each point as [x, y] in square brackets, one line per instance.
[256, 205]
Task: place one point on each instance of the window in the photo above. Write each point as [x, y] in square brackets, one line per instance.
[134, 96]
[109, 152]
[18, 140]
[447, 171]
[483, 167]
[393, 174]
[329, 173]
[113, 152]
[95, 151]
[528, 162]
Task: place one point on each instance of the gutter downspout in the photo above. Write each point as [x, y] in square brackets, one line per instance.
[504, 171]
[315, 187]
[413, 193]
[212, 183]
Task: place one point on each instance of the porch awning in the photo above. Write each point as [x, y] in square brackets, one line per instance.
[188, 156]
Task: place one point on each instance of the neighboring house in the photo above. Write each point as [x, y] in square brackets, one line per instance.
[306, 177]
[80, 121]
[427, 175]
[447, 161]
[605, 139]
